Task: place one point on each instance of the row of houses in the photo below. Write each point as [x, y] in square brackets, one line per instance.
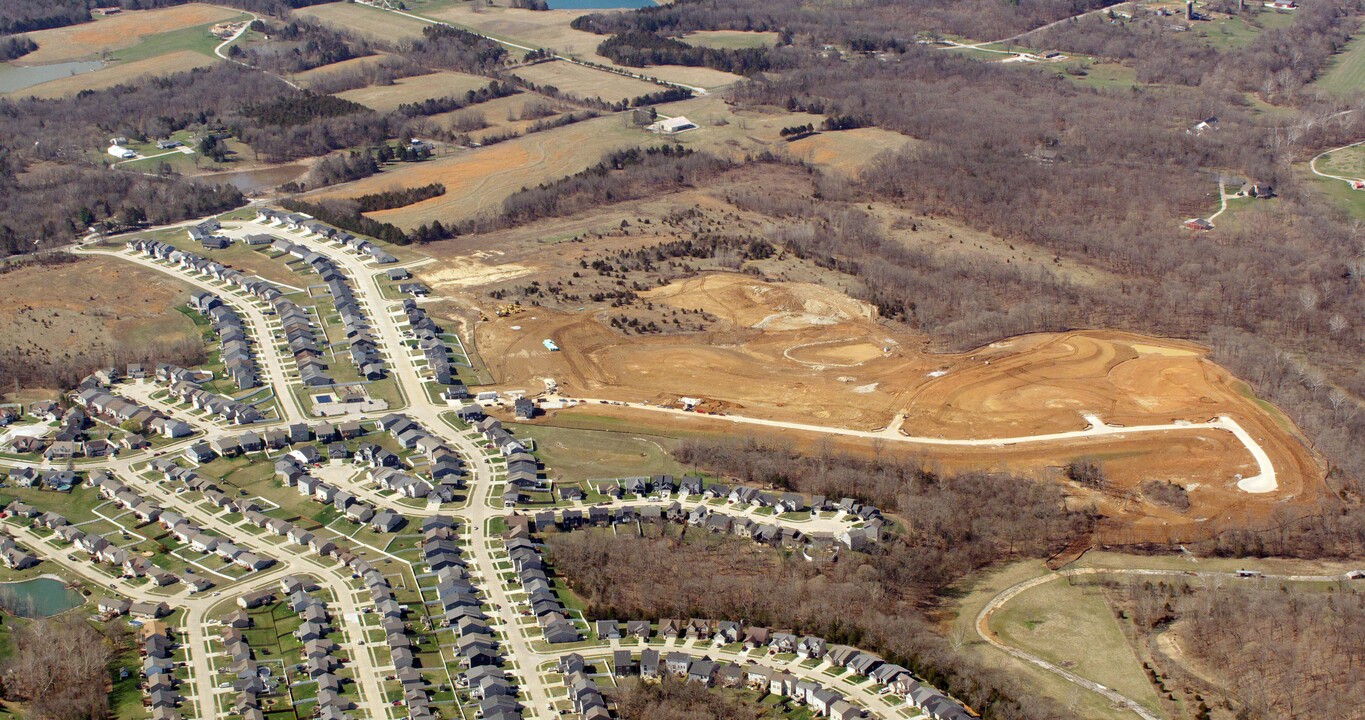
[233, 348]
[890, 677]
[363, 350]
[295, 324]
[344, 502]
[112, 607]
[96, 546]
[416, 699]
[587, 700]
[229, 409]
[298, 222]
[206, 234]
[445, 471]
[158, 671]
[545, 606]
[433, 348]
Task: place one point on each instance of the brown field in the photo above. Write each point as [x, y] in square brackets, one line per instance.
[480, 179]
[497, 112]
[386, 98]
[847, 151]
[91, 304]
[550, 29]
[730, 39]
[112, 75]
[308, 77]
[118, 31]
[371, 22]
[585, 82]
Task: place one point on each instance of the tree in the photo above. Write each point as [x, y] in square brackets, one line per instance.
[61, 669]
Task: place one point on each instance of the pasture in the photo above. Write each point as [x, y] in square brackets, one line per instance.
[585, 82]
[124, 31]
[387, 98]
[366, 21]
[480, 179]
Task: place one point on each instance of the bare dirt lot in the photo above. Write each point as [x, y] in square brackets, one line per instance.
[92, 304]
[585, 82]
[112, 75]
[386, 98]
[119, 31]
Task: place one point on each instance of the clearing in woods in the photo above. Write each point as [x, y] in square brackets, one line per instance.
[584, 82]
[117, 73]
[730, 39]
[479, 180]
[1346, 72]
[848, 151]
[112, 304]
[1069, 623]
[370, 22]
[308, 78]
[117, 32]
[387, 98]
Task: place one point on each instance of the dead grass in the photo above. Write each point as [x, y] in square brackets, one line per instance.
[585, 82]
[847, 151]
[387, 98]
[371, 22]
[730, 39]
[480, 179]
[117, 32]
[308, 78]
[119, 73]
[90, 304]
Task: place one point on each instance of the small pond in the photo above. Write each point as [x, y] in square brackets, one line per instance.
[17, 77]
[38, 598]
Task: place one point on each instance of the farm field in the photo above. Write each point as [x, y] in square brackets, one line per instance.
[847, 151]
[120, 32]
[387, 98]
[585, 82]
[105, 303]
[1070, 624]
[116, 73]
[367, 21]
[731, 39]
[309, 78]
[500, 114]
[483, 177]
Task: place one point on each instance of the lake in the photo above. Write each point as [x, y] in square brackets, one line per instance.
[600, 4]
[39, 597]
[15, 77]
[250, 181]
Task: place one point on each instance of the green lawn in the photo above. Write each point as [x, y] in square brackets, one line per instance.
[196, 39]
[1233, 32]
[577, 454]
[1346, 72]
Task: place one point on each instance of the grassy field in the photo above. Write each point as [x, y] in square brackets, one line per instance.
[370, 22]
[575, 455]
[731, 39]
[386, 98]
[1072, 625]
[1346, 72]
[585, 82]
[126, 30]
[1107, 75]
[1230, 32]
[847, 151]
[308, 78]
[1347, 162]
